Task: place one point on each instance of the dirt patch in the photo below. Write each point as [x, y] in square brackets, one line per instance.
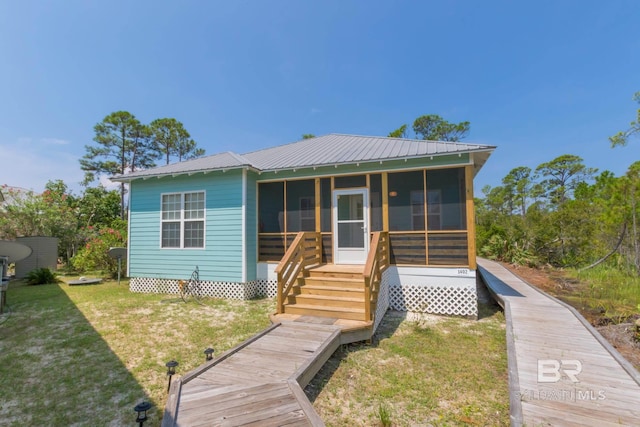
[558, 284]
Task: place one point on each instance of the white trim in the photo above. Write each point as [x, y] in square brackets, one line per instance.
[366, 172]
[243, 223]
[182, 221]
[129, 231]
[365, 221]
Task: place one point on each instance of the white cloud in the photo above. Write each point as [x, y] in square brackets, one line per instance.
[30, 163]
[54, 141]
[107, 183]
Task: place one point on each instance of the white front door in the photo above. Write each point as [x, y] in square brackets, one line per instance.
[350, 226]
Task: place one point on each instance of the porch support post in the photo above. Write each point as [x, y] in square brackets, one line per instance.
[317, 206]
[385, 202]
[471, 221]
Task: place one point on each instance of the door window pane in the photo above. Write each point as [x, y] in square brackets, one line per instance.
[350, 235]
[350, 207]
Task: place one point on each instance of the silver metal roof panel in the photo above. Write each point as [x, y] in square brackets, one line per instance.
[332, 149]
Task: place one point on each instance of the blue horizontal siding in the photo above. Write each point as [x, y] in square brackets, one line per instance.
[220, 260]
[251, 219]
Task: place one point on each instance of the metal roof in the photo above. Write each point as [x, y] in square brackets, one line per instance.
[332, 149]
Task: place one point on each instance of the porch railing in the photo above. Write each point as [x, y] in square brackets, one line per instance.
[377, 263]
[305, 251]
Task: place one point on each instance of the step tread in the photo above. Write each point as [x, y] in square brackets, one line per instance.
[336, 279]
[325, 308]
[328, 297]
[332, 288]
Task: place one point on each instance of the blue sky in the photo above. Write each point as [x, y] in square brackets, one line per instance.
[537, 79]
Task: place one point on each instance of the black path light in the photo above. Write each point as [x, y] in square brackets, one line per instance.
[208, 353]
[171, 370]
[142, 408]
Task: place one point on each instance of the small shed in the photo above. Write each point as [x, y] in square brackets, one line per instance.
[44, 254]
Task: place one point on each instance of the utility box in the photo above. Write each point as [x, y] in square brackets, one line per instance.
[44, 254]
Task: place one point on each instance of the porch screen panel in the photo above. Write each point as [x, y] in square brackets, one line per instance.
[352, 181]
[375, 199]
[271, 207]
[325, 205]
[271, 238]
[301, 213]
[446, 208]
[406, 201]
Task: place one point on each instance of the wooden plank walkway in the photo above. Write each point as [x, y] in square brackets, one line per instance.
[258, 383]
[562, 372]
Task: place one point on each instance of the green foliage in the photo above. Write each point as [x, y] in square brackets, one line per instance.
[384, 415]
[401, 132]
[434, 128]
[562, 216]
[308, 136]
[622, 137]
[614, 292]
[562, 175]
[94, 256]
[41, 276]
[123, 145]
[171, 139]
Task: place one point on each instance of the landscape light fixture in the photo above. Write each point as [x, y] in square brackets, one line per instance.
[208, 353]
[142, 408]
[171, 370]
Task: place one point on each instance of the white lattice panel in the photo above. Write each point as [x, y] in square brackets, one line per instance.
[229, 290]
[436, 299]
[267, 288]
[383, 301]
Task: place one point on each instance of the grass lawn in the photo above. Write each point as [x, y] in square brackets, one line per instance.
[85, 355]
[431, 371]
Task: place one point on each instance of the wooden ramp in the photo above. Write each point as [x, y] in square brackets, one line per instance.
[562, 372]
[258, 383]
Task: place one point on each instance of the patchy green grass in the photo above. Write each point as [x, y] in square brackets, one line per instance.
[85, 355]
[610, 291]
[426, 371]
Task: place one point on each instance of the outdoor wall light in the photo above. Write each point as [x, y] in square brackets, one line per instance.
[171, 370]
[393, 193]
[142, 408]
[208, 353]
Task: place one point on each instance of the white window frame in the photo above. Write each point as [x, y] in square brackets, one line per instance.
[182, 220]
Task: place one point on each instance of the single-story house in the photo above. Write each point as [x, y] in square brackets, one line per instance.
[235, 216]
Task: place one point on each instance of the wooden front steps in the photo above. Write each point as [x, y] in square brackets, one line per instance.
[330, 295]
[333, 291]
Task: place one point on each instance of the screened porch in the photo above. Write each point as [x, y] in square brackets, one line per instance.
[428, 214]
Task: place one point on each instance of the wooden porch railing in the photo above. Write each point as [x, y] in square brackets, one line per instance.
[305, 251]
[377, 263]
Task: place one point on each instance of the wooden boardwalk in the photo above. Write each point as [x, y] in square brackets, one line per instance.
[562, 372]
[258, 383]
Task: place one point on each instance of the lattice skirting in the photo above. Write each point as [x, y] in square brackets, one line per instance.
[229, 290]
[383, 301]
[436, 299]
[457, 301]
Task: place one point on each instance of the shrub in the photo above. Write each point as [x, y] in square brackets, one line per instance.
[94, 255]
[41, 276]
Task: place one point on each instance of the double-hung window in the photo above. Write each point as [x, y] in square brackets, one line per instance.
[182, 220]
